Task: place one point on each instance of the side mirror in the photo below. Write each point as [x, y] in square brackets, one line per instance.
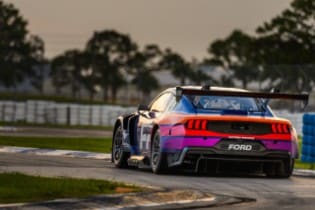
[143, 107]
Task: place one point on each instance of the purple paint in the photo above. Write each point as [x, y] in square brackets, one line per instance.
[180, 142]
[290, 146]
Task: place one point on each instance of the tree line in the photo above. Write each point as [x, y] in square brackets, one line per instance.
[280, 54]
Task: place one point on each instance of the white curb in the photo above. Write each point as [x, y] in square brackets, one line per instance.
[54, 152]
[304, 172]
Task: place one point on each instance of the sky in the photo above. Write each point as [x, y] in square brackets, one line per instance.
[186, 26]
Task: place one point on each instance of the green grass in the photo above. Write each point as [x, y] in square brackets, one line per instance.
[69, 143]
[17, 188]
[49, 125]
[301, 165]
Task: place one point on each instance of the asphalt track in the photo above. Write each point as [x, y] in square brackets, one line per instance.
[293, 193]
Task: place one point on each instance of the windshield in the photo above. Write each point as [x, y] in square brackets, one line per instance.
[226, 103]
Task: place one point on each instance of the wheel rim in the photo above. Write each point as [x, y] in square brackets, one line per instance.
[156, 151]
[117, 146]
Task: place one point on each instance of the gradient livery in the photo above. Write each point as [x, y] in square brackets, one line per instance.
[202, 128]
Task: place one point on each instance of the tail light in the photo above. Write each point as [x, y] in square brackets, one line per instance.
[200, 124]
[279, 128]
[197, 124]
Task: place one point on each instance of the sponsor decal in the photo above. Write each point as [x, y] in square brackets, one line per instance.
[242, 137]
[145, 134]
[240, 147]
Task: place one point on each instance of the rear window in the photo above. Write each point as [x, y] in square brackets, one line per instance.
[226, 103]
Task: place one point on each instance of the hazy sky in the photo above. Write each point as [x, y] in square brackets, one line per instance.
[187, 26]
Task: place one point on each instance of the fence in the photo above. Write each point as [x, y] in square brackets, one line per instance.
[75, 114]
[60, 113]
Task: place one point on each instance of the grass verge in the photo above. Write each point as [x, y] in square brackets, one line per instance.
[17, 188]
[69, 143]
[49, 125]
[301, 165]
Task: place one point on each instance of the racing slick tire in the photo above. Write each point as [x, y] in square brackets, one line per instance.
[283, 170]
[287, 168]
[119, 156]
[158, 158]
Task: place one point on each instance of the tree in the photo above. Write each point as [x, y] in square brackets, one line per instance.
[226, 81]
[237, 53]
[70, 66]
[198, 77]
[281, 53]
[286, 46]
[198, 74]
[91, 82]
[177, 65]
[141, 65]
[146, 82]
[59, 74]
[294, 29]
[76, 65]
[15, 47]
[39, 63]
[110, 53]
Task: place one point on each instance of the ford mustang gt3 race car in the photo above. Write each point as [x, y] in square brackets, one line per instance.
[198, 128]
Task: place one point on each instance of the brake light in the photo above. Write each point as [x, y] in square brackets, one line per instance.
[280, 128]
[285, 129]
[190, 124]
[197, 124]
[204, 125]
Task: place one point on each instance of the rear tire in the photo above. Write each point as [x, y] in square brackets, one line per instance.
[282, 170]
[287, 168]
[158, 158]
[119, 156]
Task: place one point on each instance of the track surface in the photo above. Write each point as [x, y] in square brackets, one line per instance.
[294, 193]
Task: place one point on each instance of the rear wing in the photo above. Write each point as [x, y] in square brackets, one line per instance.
[189, 91]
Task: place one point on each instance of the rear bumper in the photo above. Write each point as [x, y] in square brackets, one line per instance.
[212, 147]
[195, 154]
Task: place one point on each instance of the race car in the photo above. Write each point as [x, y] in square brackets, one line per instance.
[202, 127]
